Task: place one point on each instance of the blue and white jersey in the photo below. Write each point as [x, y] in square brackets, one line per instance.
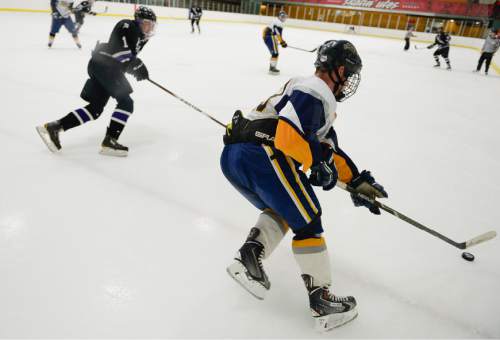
[305, 109]
[274, 28]
[63, 7]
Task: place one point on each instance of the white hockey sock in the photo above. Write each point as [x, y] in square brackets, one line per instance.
[272, 230]
[274, 62]
[312, 256]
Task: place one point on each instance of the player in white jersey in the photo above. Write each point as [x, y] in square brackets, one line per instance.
[266, 157]
[273, 35]
[61, 16]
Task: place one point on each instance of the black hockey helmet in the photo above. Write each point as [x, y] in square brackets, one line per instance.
[334, 54]
[146, 19]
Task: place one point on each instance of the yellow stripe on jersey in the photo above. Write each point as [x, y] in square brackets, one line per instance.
[344, 171]
[292, 144]
[287, 185]
[299, 182]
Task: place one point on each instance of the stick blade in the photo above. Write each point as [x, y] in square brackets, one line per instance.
[480, 239]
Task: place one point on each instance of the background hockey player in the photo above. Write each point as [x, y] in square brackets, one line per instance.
[489, 48]
[409, 34]
[273, 35]
[106, 70]
[61, 16]
[84, 7]
[266, 156]
[195, 13]
[442, 41]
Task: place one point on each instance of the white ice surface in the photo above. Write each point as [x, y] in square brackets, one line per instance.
[93, 246]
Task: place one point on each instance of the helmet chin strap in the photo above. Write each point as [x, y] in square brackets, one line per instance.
[336, 84]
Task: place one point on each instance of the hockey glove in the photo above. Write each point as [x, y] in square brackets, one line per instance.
[138, 69]
[284, 44]
[323, 175]
[365, 185]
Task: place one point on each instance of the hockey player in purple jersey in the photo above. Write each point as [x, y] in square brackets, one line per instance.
[442, 41]
[107, 67]
[61, 16]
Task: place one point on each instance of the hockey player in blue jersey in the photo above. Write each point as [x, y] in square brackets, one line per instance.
[61, 16]
[273, 35]
[266, 157]
[107, 67]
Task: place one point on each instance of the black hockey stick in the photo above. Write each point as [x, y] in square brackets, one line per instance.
[460, 245]
[187, 103]
[302, 49]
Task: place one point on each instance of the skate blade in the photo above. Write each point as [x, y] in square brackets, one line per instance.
[274, 73]
[239, 273]
[112, 152]
[328, 322]
[44, 134]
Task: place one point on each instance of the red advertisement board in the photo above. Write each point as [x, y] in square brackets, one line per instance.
[430, 6]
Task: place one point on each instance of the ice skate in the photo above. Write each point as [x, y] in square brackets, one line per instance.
[485, 73]
[437, 65]
[111, 147]
[247, 267]
[329, 311]
[273, 70]
[50, 135]
[448, 67]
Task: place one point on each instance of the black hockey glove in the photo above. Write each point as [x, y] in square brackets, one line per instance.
[323, 175]
[365, 185]
[138, 69]
[284, 44]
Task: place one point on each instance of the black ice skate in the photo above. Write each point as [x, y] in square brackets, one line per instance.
[111, 147]
[437, 65]
[448, 67]
[273, 70]
[247, 268]
[50, 135]
[328, 310]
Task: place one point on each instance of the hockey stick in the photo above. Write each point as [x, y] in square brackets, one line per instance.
[460, 245]
[420, 47]
[187, 103]
[301, 49]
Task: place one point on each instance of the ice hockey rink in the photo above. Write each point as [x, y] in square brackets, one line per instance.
[95, 246]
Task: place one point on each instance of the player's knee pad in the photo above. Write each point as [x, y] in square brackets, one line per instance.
[312, 257]
[125, 103]
[95, 109]
[272, 230]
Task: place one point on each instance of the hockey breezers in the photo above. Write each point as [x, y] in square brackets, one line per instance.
[187, 103]
[460, 245]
